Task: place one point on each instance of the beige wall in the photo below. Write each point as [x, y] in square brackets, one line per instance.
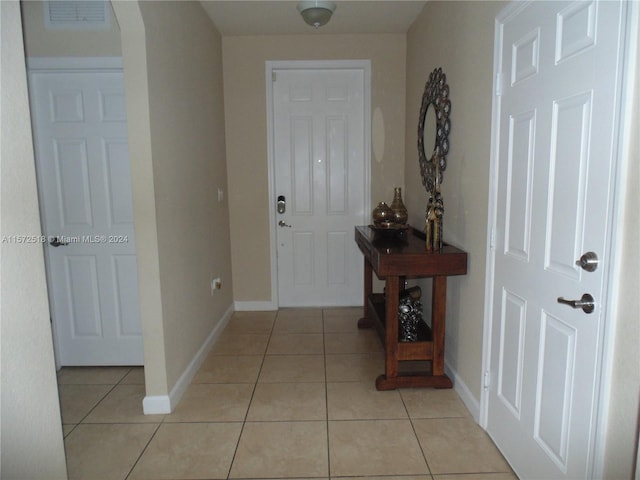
[40, 42]
[245, 107]
[624, 374]
[173, 78]
[466, 57]
[31, 428]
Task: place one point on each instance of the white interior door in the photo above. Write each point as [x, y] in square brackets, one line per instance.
[85, 198]
[319, 148]
[559, 74]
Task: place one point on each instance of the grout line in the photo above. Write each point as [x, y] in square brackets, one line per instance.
[98, 403]
[153, 435]
[255, 385]
[326, 396]
[413, 428]
[125, 376]
[75, 425]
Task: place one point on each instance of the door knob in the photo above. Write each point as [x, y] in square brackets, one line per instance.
[586, 303]
[588, 261]
[57, 243]
[282, 223]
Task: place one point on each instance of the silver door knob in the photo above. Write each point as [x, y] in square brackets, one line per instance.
[586, 303]
[282, 223]
[588, 261]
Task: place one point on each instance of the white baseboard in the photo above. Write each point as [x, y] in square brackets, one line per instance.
[255, 306]
[156, 404]
[159, 404]
[472, 404]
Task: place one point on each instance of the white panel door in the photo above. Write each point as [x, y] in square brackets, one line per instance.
[85, 198]
[558, 111]
[319, 145]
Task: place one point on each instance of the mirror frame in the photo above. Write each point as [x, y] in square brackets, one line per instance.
[436, 94]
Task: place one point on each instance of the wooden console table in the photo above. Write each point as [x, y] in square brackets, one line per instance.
[393, 260]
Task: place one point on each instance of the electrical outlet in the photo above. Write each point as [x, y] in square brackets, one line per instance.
[216, 284]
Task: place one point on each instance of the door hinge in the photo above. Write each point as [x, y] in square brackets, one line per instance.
[274, 76]
[486, 381]
[492, 239]
[499, 84]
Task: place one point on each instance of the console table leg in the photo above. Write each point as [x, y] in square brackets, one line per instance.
[438, 315]
[392, 297]
[366, 321]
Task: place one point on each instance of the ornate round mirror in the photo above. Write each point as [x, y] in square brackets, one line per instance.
[429, 131]
[433, 129]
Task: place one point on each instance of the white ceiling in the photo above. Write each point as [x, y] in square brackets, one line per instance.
[267, 17]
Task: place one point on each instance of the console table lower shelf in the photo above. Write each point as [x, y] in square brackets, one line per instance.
[407, 364]
[412, 362]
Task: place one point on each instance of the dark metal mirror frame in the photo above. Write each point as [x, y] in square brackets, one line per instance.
[436, 94]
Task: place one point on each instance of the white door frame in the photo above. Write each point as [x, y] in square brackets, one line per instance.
[37, 65]
[624, 138]
[270, 67]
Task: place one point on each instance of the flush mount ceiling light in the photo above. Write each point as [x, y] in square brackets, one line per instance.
[316, 13]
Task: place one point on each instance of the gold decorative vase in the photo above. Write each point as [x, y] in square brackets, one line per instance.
[400, 214]
[382, 215]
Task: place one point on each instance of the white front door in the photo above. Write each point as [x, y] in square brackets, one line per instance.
[84, 181]
[319, 155]
[559, 77]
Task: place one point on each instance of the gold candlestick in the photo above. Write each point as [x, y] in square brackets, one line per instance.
[435, 212]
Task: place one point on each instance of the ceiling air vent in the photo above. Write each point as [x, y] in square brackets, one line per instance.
[77, 14]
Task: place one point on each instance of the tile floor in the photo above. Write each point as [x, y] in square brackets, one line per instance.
[281, 395]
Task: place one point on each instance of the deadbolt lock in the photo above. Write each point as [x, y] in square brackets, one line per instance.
[281, 205]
